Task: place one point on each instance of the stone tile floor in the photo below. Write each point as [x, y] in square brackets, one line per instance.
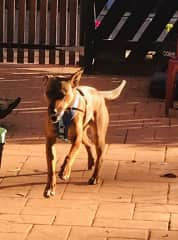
[134, 200]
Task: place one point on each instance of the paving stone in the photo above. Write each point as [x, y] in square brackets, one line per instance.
[150, 153]
[156, 208]
[120, 152]
[151, 216]
[172, 154]
[143, 135]
[37, 189]
[123, 122]
[174, 222]
[82, 216]
[58, 203]
[33, 165]
[81, 187]
[155, 122]
[12, 236]
[110, 191]
[151, 196]
[115, 210]
[13, 191]
[17, 149]
[22, 185]
[161, 235]
[167, 133]
[11, 205]
[27, 218]
[39, 211]
[10, 227]
[132, 168]
[152, 109]
[132, 224]
[12, 163]
[109, 170]
[97, 233]
[173, 193]
[47, 232]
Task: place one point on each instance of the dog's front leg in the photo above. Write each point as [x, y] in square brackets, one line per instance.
[65, 170]
[51, 164]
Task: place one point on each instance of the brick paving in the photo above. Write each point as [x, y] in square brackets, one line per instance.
[134, 200]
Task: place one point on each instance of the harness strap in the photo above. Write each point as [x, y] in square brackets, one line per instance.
[86, 104]
[64, 123]
[76, 103]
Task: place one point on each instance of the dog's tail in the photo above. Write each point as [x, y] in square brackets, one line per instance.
[113, 94]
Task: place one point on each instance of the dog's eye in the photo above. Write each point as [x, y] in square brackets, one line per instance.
[60, 95]
[55, 95]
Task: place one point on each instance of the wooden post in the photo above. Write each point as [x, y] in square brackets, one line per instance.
[89, 27]
[21, 29]
[10, 29]
[73, 7]
[43, 26]
[53, 29]
[63, 28]
[32, 28]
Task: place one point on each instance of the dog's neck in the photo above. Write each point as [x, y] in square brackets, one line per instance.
[74, 105]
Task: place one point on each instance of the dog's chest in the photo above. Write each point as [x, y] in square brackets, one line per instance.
[63, 126]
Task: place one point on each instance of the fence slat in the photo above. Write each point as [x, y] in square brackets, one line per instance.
[2, 9]
[62, 37]
[73, 6]
[112, 18]
[163, 15]
[134, 21]
[10, 28]
[21, 29]
[99, 5]
[43, 31]
[32, 28]
[52, 33]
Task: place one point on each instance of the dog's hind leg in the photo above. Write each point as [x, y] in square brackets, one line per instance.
[51, 164]
[90, 147]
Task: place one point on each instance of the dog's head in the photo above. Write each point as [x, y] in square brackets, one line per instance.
[59, 91]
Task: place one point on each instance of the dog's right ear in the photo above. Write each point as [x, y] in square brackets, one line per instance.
[46, 79]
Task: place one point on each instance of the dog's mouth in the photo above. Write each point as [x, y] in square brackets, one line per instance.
[55, 117]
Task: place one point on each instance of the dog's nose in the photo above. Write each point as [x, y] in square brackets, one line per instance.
[54, 118]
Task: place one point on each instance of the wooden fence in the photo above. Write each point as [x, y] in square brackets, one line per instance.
[40, 31]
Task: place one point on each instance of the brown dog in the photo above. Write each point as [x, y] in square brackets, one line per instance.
[72, 111]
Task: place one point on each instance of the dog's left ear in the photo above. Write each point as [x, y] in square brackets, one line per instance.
[76, 78]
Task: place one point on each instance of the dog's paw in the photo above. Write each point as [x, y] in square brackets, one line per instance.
[48, 193]
[63, 177]
[93, 181]
[64, 173]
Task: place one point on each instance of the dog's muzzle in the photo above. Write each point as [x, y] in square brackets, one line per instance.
[55, 117]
